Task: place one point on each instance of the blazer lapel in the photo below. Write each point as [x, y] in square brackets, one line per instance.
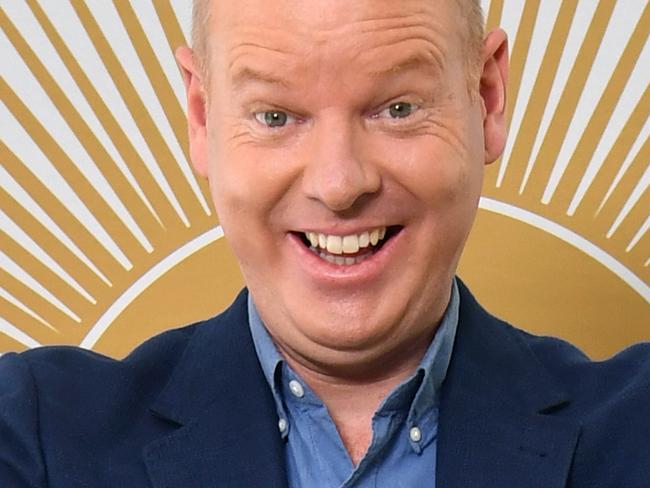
[496, 425]
[219, 398]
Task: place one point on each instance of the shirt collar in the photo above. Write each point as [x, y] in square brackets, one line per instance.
[267, 353]
[421, 390]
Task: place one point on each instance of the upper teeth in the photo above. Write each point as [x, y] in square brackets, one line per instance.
[346, 244]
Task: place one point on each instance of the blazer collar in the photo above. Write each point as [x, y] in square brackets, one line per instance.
[496, 427]
[496, 424]
[219, 398]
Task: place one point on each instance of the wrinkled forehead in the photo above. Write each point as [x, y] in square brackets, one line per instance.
[367, 33]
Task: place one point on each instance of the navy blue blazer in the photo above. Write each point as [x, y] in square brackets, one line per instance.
[190, 408]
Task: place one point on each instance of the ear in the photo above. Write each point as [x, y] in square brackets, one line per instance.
[196, 109]
[494, 81]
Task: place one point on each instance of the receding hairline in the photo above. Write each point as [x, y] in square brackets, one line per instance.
[470, 10]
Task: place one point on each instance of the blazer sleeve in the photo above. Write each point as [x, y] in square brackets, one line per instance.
[21, 457]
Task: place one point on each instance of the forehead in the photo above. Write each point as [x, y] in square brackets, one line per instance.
[367, 33]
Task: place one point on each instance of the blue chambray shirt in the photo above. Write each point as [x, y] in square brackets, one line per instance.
[402, 452]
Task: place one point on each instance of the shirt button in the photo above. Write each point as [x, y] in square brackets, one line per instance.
[282, 425]
[415, 434]
[296, 388]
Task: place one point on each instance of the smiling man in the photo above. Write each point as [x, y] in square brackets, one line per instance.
[344, 143]
[345, 151]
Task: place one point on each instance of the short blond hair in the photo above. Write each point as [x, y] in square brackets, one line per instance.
[473, 36]
[470, 10]
[201, 14]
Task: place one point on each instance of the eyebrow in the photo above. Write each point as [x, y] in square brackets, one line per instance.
[247, 75]
[412, 62]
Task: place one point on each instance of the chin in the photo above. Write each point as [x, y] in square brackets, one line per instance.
[346, 324]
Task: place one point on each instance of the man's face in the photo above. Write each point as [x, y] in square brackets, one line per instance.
[352, 128]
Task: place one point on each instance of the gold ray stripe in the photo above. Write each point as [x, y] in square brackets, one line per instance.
[621, 193]
[639, 256]
[605, 177]
[494, 15]
[632, 222]
[643, 232]
[141, 214]
[517, 64]
[534, 112]
[34, 302]
[520, 51]
[10, 343]
[67, 222]
[568, 102]
[169, 24]
[601, 115]
[167, 97]
[493, 20]
[71, 173]
[122, 143]
[74, 266]
[629, 228]
[154, 72]
[28, 324]
[155, 141]
[50, 281]
[176, 38]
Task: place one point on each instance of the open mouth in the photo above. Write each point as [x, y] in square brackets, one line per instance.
[350, 249]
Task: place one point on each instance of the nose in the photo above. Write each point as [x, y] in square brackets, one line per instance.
[336, 173]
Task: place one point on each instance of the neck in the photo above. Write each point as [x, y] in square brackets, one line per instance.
[352, 399]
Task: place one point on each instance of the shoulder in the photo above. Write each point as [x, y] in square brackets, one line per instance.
[63, 386]
[567, 367]
[72, 373]
[57, 366]
[607, 399]
[589, 382]
[67, 407]
[605, 402]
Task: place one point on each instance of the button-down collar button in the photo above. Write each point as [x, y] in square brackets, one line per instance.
[282, 425]
[296, 388]
[415, 434]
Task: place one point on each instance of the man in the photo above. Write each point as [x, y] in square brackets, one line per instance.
[344, 144]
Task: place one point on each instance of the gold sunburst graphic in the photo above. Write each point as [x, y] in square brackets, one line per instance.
[64, 282]
[107, 237]
[576, 171]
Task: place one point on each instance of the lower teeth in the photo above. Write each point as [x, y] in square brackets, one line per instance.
[341, 260]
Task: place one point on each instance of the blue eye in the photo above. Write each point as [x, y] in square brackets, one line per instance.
[273, 118]
[400, 110]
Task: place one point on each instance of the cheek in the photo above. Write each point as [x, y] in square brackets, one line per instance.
[232, 179]
[436, 173]
[249, 182]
